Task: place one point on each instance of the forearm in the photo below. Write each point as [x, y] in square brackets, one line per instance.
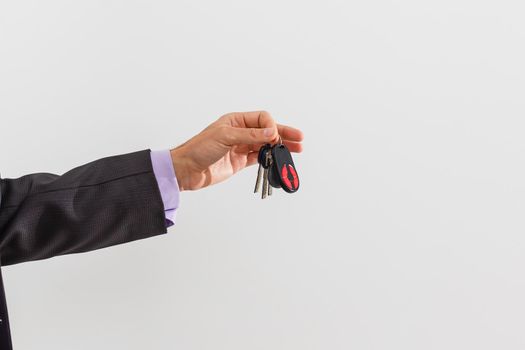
[109, 201]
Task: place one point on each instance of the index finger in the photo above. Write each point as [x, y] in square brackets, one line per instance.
[255, 119]
[263, 119]
[289, 133]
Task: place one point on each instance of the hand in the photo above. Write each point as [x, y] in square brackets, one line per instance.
[228, 145]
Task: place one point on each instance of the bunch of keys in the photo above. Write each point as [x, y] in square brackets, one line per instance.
[277, 169]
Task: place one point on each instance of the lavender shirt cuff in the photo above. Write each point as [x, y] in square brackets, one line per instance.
[168, 185]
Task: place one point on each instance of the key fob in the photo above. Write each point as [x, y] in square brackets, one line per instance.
[283, 165]
[273, 176]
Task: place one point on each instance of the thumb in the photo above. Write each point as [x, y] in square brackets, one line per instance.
[235, 136]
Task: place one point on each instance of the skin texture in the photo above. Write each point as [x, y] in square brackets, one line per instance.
[227, 146]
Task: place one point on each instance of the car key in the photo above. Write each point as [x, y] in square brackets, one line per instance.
[260, 160]
[284, 169]
[266, 165]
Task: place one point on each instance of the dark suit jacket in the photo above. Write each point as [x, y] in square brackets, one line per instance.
[109, 201]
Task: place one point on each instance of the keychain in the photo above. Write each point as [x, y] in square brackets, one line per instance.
[277, 169]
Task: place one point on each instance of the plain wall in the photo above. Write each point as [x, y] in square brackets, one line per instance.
[408, 230]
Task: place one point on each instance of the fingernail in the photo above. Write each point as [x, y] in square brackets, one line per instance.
[268, 132]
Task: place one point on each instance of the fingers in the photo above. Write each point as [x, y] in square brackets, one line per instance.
[252, 158]
[290, 133]
[262, 119]
[296, 147]
[235, 136]
[257, 120]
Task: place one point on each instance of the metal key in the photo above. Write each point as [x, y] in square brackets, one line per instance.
[258, 181]
[265, 177]
[270, 164]
[261, 158]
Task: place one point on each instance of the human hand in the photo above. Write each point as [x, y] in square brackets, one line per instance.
[227, 146]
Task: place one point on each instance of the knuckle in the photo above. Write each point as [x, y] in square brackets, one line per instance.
[265, 114]
[265, 118]
[225, 117]
[253, 133]
[225, 133]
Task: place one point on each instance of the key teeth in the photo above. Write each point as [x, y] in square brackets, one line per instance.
[258, 181]
[265, 189]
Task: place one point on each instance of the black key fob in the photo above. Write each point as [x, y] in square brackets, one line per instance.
[283, 169]
[273, 176]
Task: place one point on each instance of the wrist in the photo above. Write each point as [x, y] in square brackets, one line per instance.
[180, 166]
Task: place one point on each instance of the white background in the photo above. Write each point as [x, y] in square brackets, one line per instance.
[408, 231]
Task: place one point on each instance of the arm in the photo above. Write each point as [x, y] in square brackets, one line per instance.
[102, 203]
[117, 199]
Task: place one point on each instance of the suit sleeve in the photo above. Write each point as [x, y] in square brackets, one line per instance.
[106, 202]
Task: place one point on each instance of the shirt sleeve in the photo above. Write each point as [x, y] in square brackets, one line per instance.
[168, 185]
